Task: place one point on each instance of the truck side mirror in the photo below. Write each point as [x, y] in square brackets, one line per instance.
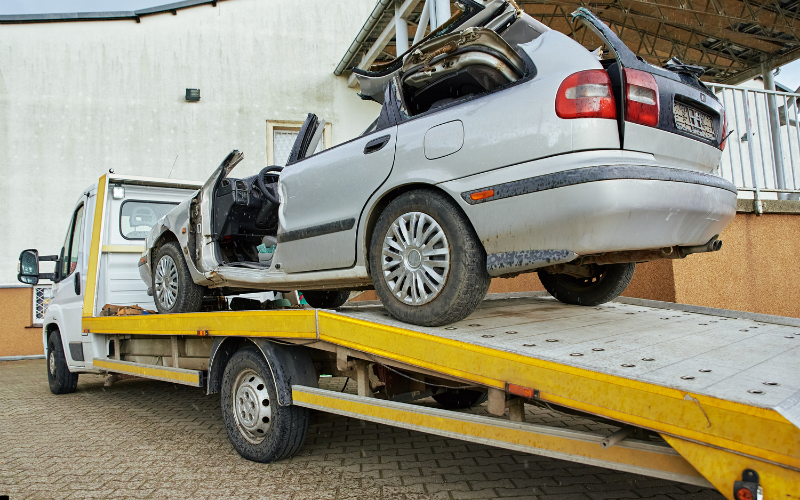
[29, 267]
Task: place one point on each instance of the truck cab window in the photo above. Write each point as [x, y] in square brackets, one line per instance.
[137, 218]
[69, 260]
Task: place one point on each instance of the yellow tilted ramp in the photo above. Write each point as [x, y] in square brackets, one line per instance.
[724, 392]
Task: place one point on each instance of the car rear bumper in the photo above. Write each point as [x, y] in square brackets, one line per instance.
[600, 208]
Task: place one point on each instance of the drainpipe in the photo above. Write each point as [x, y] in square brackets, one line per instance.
[775, 129]
[400, 30]
[355, 46]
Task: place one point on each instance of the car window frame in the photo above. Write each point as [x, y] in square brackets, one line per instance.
[402, 110]
[139, 201]
[66, 250]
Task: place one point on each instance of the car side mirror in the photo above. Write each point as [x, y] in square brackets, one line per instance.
[29, 267]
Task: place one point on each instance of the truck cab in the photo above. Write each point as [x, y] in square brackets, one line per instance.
[132, 206]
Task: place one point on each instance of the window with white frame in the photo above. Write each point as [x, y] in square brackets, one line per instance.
[41, 299]
[281, 136]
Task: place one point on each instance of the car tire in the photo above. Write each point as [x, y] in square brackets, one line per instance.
[613, 280]
[458, 260]
[248, 398]
[459, 399]
[60, 379]
[174, 291]
[326, 299]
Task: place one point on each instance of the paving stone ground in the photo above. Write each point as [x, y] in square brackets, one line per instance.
[144, 439]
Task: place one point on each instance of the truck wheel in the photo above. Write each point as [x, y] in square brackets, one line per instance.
[174, 290]
[608, 285]
[427, 264]
[458, 399]
[321, 299]
[61, 380]
[259, 428]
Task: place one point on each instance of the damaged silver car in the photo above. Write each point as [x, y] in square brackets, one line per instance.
[501, 147]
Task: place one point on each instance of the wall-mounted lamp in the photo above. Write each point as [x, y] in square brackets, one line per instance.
[192, 95]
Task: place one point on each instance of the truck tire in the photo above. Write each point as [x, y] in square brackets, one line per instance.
[459, 399]
[322, 299]
[174, 291]
[61, 380]
[433, 282]
[258, 427]
[613, 280]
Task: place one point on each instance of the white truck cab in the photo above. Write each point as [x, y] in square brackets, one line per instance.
[132, 206]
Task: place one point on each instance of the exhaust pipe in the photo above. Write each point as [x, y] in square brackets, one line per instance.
[713, 245]
[676, 252]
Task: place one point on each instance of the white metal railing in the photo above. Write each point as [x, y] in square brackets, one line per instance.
[762, 153]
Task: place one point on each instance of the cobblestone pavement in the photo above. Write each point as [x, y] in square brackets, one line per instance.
[143, 439]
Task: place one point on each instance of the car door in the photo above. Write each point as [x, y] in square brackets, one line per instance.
[70, 281]
[322, 197]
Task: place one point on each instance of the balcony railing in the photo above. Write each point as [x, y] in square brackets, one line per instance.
[762, 154]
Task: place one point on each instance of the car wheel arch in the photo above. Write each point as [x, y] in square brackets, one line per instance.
[48, 330]
[371, 218]
[289, 364]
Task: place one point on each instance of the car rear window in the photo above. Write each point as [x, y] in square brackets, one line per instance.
[137, 217]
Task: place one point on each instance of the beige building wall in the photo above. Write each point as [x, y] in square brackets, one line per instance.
[17, 336]
[78, 98]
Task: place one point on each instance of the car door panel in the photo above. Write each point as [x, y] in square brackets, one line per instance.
[322, 197]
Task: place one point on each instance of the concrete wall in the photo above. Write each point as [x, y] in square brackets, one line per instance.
[79, 98]
[17, 337]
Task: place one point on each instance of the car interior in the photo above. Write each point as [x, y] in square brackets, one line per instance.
[244, 213]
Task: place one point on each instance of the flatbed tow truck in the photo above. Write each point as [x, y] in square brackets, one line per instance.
[720, 388]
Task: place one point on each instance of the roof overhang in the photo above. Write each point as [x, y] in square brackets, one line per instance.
[131, 15]
[734, 40]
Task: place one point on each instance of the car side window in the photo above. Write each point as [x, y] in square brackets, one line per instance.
[69, 260]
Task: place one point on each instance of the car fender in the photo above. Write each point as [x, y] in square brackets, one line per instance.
[289, 364]
[176, 222]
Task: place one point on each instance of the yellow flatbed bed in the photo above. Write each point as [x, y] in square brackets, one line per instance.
[722, 388]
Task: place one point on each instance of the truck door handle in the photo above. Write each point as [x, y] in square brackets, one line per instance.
[376, 144]
[77, 283]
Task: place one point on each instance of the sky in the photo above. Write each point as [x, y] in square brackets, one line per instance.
[788, 76]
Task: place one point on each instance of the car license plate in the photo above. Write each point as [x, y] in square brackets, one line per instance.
[693, 121]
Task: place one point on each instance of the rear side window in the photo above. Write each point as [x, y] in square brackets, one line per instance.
[137, 218]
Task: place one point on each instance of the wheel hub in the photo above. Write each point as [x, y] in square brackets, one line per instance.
[166, 282]
[51, 362]
[251, 406]
[416, 258]
[413, 259]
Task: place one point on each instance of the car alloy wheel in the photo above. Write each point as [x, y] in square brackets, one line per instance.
[416, 258]
[251, 406]
[166, 282]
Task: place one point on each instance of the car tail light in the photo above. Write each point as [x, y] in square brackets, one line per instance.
[724, 120]
[586, 94]
[641, 98]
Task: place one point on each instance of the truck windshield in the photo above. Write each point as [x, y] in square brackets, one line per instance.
[137, 217]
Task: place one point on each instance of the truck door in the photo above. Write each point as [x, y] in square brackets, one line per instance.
[69, 284]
